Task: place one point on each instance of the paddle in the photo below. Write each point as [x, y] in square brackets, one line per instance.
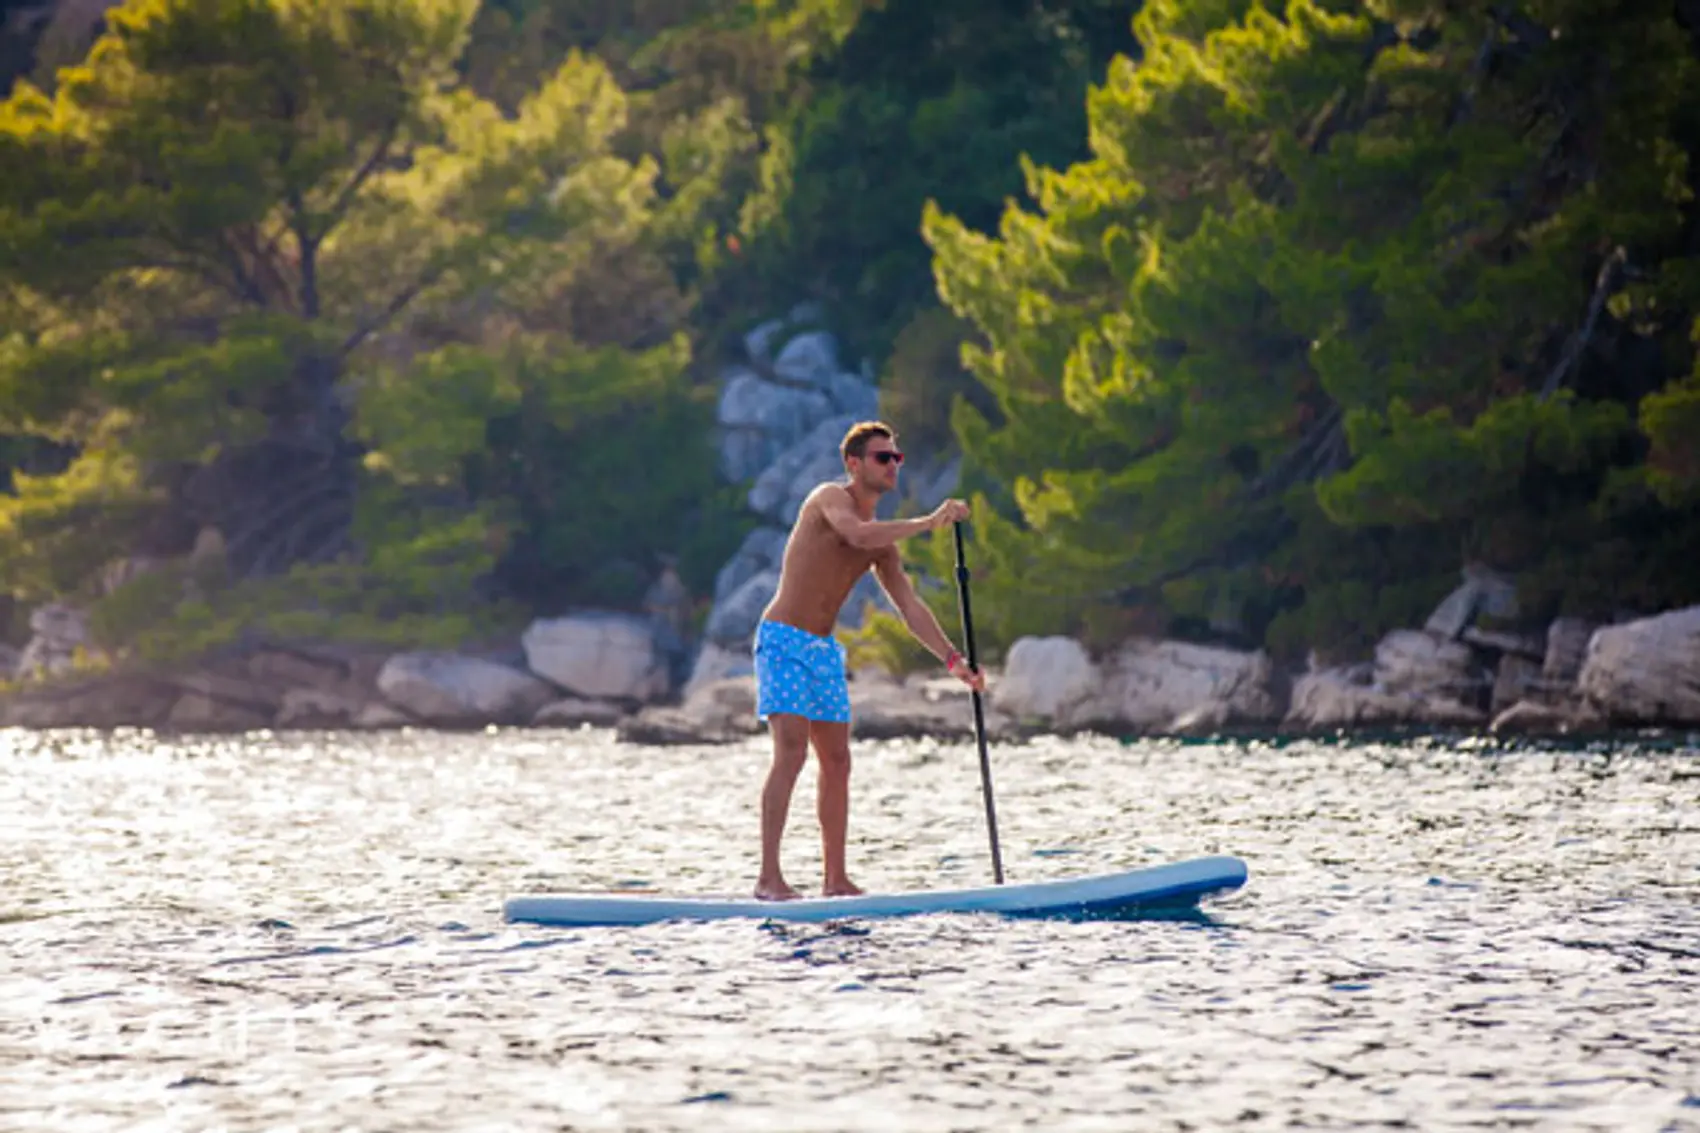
[979, 710]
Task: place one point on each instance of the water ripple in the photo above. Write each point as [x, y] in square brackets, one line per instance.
[304, 931]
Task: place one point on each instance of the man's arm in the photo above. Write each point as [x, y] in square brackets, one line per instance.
[919, 617]
[873, 534]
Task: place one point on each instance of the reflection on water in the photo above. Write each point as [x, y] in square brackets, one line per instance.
[304, 932]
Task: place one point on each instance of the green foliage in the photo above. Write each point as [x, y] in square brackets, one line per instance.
[56, 531]
[1671, 420]
[418, 587]
[266, 223]
[924, 378]
[1318, 250]
[883, 642]
[914, 100]
[1305, 303]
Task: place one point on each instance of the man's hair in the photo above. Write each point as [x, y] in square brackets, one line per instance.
[855, 442]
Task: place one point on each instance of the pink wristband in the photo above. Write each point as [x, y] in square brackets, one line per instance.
[951, 659]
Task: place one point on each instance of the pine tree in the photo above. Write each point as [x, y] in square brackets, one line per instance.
[1341, 299]
[264, 260]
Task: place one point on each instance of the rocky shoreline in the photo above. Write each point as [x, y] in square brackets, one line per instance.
[605, 670]
[782, 408]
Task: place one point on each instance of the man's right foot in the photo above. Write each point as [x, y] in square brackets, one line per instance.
[775, 891]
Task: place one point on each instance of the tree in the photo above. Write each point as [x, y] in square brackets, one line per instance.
[1341, 298]
[247, 236]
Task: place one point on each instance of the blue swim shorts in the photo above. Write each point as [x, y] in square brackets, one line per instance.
[799, 673]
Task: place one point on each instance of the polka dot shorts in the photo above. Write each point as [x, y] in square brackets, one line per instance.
[799, 673]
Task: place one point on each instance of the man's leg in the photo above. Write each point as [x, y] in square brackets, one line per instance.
[832, 748]
[790, 752]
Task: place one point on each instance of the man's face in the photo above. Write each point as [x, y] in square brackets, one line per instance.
[879, 464]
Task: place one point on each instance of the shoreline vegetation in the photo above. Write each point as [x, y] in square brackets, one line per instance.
[1308, 367]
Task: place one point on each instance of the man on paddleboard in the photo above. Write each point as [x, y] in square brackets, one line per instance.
[802, 692]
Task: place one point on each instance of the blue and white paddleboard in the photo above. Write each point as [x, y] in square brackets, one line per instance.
[1153, 889]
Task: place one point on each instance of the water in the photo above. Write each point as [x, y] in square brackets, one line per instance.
[304, 932]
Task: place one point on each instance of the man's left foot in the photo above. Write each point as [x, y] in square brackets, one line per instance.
[843, 887]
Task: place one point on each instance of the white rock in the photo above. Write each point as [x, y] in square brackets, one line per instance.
[758, 343]
[1483, 591]
[747, 401]
[717, 663]
[1424, 664]
[1155, 684]
[1646, 671]
[810, 359]
[443, 688]
[1341, 698]
[59, 631]
[779, 492]
[198, 712]
[854, 397]
[599, 656]
[317, 707]
[762, 548]
[1516, 678]
[732, 623]
[1567, 647]
[1044, 678]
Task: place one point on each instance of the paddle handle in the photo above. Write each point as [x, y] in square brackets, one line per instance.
[979, 707]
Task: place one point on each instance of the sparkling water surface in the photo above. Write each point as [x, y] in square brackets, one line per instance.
[304, 932]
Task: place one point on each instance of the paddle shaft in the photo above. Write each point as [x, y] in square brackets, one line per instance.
[979, 708]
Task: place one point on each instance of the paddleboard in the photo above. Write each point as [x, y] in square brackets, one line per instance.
[1177, 885]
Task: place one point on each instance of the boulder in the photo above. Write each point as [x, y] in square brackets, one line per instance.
[599, 656]
[732, 622]
[762, 548]
[302, 668]
[853, 397]
[59, 632]
[450, 690]
[760, 341]
[780, 490]
[1517, 678]
[1483, 591]
[1567, 646]
[305, 708]
[106, 702]
[1646, 671]
[1426, 665]
[924, 706]
[1154, 685]
[1346, 697]
[759, 420]
[809, 360]
[199, 712]
[717, 663]
[1045, 678]
[715, 712]
[211, 693]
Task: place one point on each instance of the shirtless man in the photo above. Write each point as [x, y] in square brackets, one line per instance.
[800, 677]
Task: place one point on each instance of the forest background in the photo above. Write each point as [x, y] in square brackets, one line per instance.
[1252, 323]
